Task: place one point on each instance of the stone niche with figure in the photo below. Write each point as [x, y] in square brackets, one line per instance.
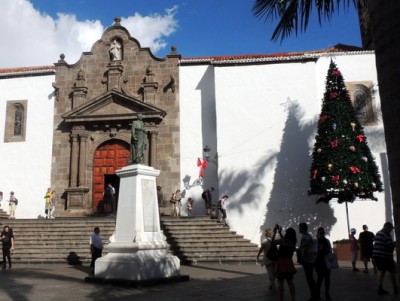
[97, 100]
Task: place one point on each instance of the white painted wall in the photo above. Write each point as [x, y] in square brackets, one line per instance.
[265, 127]
[26, 166]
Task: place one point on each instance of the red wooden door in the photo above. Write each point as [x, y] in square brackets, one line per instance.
[108, 158]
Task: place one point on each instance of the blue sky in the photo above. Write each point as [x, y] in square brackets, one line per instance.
[46, 28]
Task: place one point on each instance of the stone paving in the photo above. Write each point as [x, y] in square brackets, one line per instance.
[208, 282]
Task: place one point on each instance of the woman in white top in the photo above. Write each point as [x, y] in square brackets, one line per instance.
[268, 263]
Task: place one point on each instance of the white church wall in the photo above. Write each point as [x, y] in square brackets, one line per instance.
[266, 119]
[26, 166]
[263, 154]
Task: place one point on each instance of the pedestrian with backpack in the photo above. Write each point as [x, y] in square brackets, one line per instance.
[267, 261]
[13, 202]
[222, 209]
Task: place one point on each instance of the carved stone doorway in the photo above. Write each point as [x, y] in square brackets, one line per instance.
[108, 157]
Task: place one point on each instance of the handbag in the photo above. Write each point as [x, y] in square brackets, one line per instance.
[331, 261]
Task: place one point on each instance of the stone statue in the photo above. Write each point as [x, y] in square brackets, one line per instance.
[138, 140]
[115, 50]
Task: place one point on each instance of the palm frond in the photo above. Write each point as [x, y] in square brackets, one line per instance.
[288, 22]
[267, 9]
[295, 14]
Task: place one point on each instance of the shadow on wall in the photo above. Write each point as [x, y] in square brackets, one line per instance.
[289, 202]
[209, 125]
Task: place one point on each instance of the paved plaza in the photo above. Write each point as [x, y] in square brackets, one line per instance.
[207, 282]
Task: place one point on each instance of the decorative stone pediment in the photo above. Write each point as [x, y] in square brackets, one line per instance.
[113, 106]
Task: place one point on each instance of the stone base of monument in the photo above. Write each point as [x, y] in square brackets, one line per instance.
[138, 250]
[133, 262]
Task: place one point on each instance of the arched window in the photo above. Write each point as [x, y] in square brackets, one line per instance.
[15, 126]
[361, 96]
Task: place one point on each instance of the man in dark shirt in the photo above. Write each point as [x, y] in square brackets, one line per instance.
[308, 254]
[366, 241]
[207, 197]
[7, 239]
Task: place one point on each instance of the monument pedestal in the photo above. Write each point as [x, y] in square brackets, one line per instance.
[138, 248]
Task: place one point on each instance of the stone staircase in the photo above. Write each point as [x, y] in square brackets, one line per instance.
[3, 214]
[201, 239]
[66, 240]
[56, 240]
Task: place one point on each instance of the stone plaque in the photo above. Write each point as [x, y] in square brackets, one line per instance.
[75, 201]
[148, 202]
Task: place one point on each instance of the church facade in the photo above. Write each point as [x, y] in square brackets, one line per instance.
[68, 127]
[96, 101]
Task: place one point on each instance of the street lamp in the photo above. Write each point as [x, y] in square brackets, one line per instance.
[207, 155]
[206, 152]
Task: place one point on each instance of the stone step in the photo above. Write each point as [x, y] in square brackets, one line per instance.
[201, 239]
[66, 240]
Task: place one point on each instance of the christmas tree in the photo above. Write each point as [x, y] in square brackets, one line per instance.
[342, 164]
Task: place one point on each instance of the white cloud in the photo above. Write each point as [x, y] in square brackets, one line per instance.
[32, 38]
[150, 30]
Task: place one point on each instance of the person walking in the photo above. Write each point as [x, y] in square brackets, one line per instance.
[96, 247]
[383, 255]
[7, 239]
[190, 206]
[308, 254]
[207, 197]
[366, 242]
[177, 204]
[222, 209]
[53, 203]
[108, 198]
[268, 263]
[354, 248]
[285, 269]
[323, 272]
[13, 202]
[47, 203]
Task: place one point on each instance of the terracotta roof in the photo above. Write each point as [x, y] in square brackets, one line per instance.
[339, 49]
[23, 71]
[280, 56]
